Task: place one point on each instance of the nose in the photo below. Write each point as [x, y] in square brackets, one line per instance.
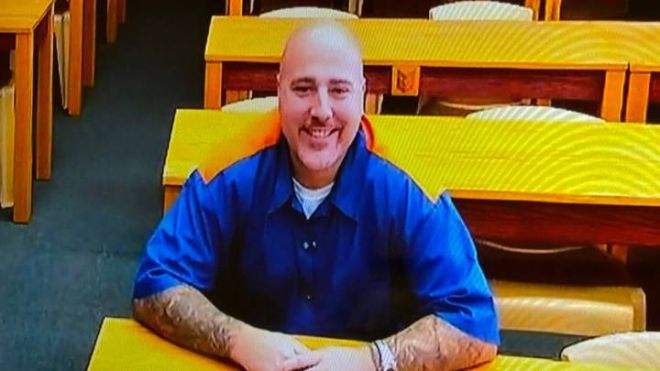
[321, 109]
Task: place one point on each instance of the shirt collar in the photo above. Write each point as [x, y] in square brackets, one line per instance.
[283, 188]
[349, 182]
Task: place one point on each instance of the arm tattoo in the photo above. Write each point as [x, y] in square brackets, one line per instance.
[185, 316]
[433, 344]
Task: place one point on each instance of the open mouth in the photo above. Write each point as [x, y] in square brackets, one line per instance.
[319, 132]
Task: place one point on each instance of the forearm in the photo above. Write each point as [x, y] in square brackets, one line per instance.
[433, 344]
[185, 316]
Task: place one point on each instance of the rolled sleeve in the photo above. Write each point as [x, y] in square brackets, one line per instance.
[443, 269]
[184, 249]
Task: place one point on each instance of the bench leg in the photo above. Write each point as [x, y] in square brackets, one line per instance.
[111, 21]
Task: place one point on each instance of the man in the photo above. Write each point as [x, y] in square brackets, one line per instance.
[317, 235]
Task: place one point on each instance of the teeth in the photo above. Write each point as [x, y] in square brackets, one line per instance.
[319, 133]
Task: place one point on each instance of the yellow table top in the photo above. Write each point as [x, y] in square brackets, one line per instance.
[637, 42]
[124, 344]
[608, 164]
[20, 16]
[511, 44]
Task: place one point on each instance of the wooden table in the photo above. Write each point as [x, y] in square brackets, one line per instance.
[24, 26]
[124, 344]
[468, 59]
[82, 51]
[638, 43]
[533, 183]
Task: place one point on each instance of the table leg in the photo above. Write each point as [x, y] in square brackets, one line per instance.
[638, 96]
[535, 5]
[121, 14]
[23, 79]
[612, 103]
[235, 7]
[75, 57]
[213, 85]
[552, 10]
[112, 16]
[44, 40]
[232, 96]
[619, 252]
[89, 44]
[372, 104]
[544, 102]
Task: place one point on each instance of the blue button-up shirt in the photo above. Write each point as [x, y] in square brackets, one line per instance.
[375, 256]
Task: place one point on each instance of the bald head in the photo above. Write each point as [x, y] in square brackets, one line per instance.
[321, 90]
[325, 39]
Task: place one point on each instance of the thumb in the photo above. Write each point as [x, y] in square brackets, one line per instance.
[302, 361]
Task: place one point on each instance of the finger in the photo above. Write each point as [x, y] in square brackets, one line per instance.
[300, 348]
[303, 361]
[318, 367]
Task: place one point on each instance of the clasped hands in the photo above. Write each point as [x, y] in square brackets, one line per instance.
[260, 350]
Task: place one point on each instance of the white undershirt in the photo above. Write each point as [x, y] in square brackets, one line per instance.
[310, 199]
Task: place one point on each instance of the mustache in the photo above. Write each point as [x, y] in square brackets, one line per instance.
[315, 123]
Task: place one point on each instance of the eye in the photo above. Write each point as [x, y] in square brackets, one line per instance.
[340, 92]
[303, 89]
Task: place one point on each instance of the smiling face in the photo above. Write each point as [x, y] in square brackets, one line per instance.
[321, 93]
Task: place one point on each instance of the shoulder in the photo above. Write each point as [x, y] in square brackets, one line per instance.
[243, 150]
[393, 180]
[383, 171]
[240, 172]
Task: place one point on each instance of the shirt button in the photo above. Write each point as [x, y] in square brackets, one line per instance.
[313, 243]
[305, 245]
[308, 297]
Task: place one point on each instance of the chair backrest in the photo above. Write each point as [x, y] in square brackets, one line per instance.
[565, 309]
[256, 105]
[307, 12]
[481, 10]
[533, 113]
[639, 350]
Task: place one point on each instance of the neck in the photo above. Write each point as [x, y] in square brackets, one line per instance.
[314, 179]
